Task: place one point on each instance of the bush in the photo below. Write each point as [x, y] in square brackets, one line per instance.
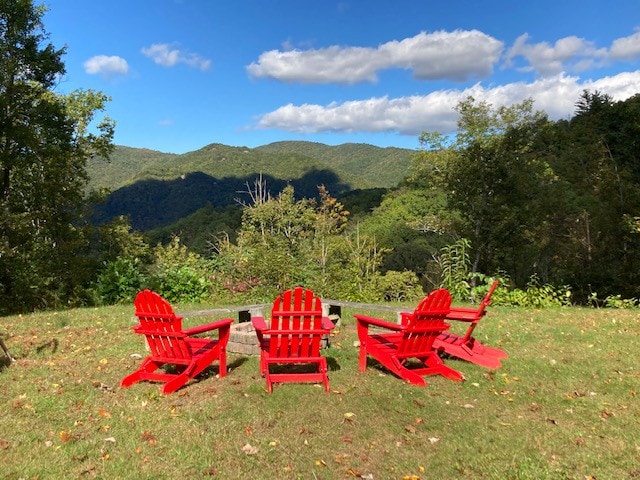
[398, 286]
[179, 275]
[182, 284]
[538, 295]
[613, 301]
[119, 281]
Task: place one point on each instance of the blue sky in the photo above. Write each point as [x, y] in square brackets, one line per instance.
[182, 74]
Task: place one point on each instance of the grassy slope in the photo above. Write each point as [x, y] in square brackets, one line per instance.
[563, 406]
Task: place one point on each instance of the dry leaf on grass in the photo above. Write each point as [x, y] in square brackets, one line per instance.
[410, 428]
[249, 449]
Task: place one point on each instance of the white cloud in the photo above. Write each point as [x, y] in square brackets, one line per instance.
[107, 66]
[168, 56]
[458, 55]
[569, 54]
[435, 112]
[627, 48]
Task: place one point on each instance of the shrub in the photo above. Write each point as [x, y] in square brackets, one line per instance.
[119, 281]
[538, 295]
[179, 275]
[398, 286]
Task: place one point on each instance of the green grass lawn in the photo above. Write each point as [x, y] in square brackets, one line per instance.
[564, 405]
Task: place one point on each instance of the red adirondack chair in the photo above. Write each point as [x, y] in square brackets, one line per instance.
[170, 344]
[466, 347]
[411, 339]
[294, 337]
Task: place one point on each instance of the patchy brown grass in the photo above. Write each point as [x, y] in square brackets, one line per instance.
[564, 405]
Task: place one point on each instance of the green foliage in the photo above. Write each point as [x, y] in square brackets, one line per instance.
[409, 224]
[398, 287]
[45, 254]
[119, 281]
[200, 230]
[454, 266]
[355, 271]
[537, 295]
[596, 155]
[117, 240]
[613, 301]
[179, 275]
[284, 243]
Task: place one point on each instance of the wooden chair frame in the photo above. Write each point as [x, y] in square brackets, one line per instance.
[294, 336]
[411, 339]
[170, 344]
[466, 347]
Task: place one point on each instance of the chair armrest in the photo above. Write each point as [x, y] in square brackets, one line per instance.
[327, 324]
[378, 322]
[404, 317]
[225, 322]
[465, 314]
[259, 323]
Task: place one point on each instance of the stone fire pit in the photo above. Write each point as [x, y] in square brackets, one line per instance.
[243, 339]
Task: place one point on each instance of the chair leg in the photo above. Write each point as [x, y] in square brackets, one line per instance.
[147, 366]
[269, 382]
[323, 371]
[222, 363]
[363, 357]
[174, 384]
[263, 364]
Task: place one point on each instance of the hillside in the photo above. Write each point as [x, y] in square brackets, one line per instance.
[123, 167]
[355, 165]
[384, 167]
[157, 190]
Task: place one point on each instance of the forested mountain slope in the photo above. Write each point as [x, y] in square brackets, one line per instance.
[355, 165]
[156, 189]
[384, 167]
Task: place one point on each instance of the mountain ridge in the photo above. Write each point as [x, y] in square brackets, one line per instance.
[356, 165]
[156, 190]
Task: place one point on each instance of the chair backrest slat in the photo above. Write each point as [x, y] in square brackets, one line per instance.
[425, 324]
[296, 324]
[160, 325]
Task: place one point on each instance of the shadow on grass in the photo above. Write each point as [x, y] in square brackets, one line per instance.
[214, 369]
[332, 364]
[51, 345]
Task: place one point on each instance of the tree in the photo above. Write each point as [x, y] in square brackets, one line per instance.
[595, 154]
[495, 182]
[45, 141]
